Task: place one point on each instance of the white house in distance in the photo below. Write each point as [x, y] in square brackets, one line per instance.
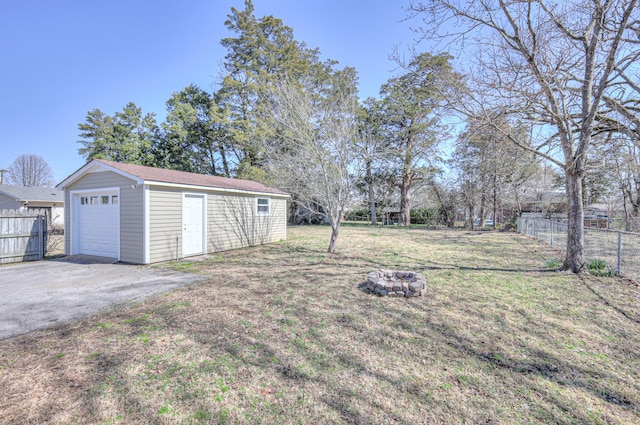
[145, 215]
[34, 198]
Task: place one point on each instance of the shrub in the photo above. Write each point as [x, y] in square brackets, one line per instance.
[429, 216]
[360, 215]
[552, 264]
[600, 268]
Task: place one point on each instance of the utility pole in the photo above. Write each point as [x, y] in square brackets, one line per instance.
[2, 176]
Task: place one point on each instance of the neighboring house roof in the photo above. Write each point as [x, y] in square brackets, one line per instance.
[32, 194]
[596, 210]
[151, 175]
[546, 197]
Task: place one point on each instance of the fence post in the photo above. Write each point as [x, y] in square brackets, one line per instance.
[551, 233]
[40, 239]
[45, 238]
[619, 252]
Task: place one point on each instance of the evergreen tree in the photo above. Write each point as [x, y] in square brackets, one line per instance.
[412, 128]
[263, 51]
[195, 134]
[127, 136]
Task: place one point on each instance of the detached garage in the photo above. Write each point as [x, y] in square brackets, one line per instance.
[146, 215]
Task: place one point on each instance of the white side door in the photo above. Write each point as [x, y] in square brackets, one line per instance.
[193, 224]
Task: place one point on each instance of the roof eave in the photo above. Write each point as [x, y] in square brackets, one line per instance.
[85, 168]
[10, 196]
[43, 200]
[216, 189]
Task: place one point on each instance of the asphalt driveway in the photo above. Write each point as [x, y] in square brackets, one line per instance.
[40, 294]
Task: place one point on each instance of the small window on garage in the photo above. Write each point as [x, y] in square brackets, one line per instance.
[94, 200]
[263, 206]
[104, 199]
[84, 200]
[114, 199]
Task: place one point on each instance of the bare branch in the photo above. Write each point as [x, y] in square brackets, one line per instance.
[30, 170]
[313, 155]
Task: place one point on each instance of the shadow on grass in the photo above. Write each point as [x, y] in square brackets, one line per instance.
[523, 371]
[452, 266]
[420, 264]
[607, 302]
[283, 334]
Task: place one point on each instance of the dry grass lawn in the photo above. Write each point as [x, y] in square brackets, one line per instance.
[282, 334]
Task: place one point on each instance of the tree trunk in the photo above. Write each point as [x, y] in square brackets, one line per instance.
[574, 259]
[483, 201]
[495, 202]
[223, 155]
[335, 230]
[212, 159]
[407, 177]
[372, 200]
[405, 200]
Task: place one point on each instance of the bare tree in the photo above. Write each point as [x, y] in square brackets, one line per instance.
[247, 226]
[491, 170]
[313, 156]
[623, 163]
[446, 198]
[30, 170]
[623, 97]
[551, 63]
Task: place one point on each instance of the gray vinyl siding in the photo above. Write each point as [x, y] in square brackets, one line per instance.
[233, 222]
[131, 212]
[279, 211]
[165, 224]
[67, 221]
[9, 204]
[132, 224]
[232, 219]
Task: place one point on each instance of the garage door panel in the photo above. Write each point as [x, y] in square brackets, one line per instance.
[97, 224]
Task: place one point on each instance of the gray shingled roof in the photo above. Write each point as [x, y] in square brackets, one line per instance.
[152, 174]
[32, 194]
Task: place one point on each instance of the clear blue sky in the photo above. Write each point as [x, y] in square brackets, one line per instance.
[62, 58]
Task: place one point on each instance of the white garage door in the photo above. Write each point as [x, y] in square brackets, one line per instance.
[97, 223]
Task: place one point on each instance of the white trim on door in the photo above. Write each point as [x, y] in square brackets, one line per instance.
[75, 197]
[192, 246]
[147, 227]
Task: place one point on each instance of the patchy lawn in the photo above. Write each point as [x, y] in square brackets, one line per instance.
[282, 334]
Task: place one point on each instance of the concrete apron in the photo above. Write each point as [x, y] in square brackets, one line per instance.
[41, 294]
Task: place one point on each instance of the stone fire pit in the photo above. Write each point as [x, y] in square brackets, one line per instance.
[392, 283]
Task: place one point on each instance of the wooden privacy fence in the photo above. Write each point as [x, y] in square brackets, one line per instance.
[23, 235]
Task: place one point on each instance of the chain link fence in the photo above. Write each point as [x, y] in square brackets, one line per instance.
[631, 224]
[619, 250]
